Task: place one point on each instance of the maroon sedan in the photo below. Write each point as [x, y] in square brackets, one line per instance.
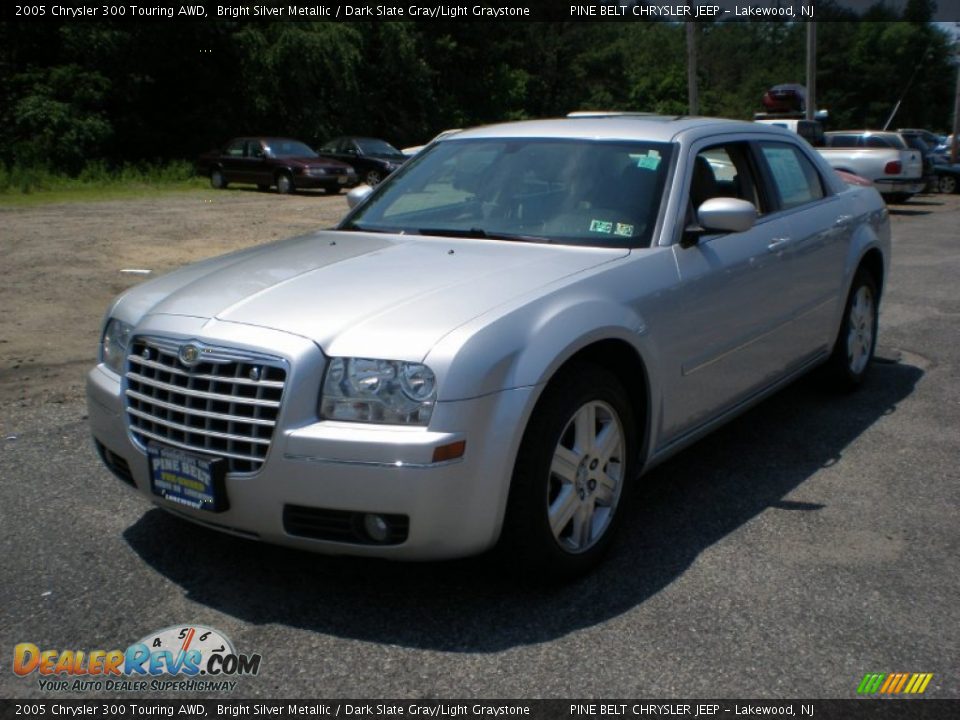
[788, 97]
[289, 165]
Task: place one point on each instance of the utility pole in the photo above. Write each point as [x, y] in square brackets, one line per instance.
[693, 101]
[811, 69]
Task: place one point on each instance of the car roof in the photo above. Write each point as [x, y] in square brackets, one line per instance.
[862, 132]
[662, 128]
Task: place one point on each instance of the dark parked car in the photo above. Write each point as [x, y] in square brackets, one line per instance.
[267, 161]
[947, 174]
[788, 97]
[918, 142]
[372, 159]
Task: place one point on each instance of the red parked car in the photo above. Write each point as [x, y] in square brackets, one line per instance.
[287, 164]
[788, 97]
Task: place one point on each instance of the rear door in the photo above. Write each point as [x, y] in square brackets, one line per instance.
[232, 160]
[820, 230]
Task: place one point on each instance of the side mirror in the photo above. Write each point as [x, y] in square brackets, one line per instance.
[724, 214]
[358, 195]
[721, 214]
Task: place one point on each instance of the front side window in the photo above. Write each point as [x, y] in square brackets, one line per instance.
[580, 192]
[795, 179]
[724, 171]
[289, 149]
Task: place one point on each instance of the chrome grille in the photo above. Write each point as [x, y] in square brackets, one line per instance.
[225, 405]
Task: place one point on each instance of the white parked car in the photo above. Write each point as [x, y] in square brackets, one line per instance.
[895, 169]
[411, 151]
[494, 343]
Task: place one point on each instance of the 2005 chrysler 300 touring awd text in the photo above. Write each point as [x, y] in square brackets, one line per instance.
[495, 342]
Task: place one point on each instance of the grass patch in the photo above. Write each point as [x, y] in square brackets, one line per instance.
[97, 181]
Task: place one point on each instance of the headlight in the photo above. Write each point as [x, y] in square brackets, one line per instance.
[316, 171]
[378, 391]
[116, 342]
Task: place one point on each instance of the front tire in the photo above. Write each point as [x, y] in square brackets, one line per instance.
[373, 177]
[947, 184]
[857, 339]
[576, 460]
[285, 184]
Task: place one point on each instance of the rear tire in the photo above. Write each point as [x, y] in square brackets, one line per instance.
[854, 348]
[218, 180]
[575, 463]
[947, 184]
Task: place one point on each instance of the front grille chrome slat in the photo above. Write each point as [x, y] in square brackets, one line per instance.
[197, 430]
[199, 393]
[224, 407]
[203, 413]
[167, 441]
[198, 376]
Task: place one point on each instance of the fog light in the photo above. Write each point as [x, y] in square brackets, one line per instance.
[376, 527]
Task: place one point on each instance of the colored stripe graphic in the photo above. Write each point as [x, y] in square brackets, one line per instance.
[870, 683]
[894, 683]
[918, 683]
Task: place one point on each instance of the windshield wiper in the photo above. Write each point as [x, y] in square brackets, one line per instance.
[358, 228]
[481, 233]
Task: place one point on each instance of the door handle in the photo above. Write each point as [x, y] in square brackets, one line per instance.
[843, 219]
[777, 243]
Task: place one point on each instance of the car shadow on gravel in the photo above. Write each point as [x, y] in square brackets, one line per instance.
[477, 605]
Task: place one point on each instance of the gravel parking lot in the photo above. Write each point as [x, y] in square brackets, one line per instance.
[811, 541]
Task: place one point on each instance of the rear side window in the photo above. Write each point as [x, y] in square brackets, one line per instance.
[794, 177]
[842, 140]
[877, 142]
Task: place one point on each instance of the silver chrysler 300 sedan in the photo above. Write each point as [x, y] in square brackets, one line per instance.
[494, 343]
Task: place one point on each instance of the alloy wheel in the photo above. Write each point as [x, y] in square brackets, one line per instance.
[586, 477]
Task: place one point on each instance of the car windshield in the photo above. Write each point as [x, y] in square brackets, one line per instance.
[370, 146]
[289, 148]
[579, 192]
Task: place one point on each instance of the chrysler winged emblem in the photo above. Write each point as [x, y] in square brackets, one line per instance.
[189, 354]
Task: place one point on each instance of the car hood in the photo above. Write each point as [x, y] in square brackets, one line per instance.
[361, 293]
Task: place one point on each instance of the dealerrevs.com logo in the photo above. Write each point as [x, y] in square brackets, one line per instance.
[180, 657]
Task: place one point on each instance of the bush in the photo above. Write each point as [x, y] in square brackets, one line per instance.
[96, 174]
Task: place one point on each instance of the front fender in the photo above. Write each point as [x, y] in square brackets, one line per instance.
[527, 346]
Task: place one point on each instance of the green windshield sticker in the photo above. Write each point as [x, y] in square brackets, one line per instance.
[623, 229]
[649, 162]
[601, 226]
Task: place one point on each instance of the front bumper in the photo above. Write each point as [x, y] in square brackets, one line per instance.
[452, 508]
[307, 182]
